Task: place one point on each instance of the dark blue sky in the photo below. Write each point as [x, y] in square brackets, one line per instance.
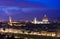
[28, 9]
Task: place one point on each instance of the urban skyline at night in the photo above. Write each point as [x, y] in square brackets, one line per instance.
[29, 19]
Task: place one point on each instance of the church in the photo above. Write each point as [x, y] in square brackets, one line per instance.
[44, 20]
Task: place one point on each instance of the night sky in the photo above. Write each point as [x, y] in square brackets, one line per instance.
[28, 9]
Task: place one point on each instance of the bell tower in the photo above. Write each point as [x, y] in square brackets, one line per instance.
[10, 20]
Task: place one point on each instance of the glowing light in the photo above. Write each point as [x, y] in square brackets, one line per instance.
[45, 19]
[10, 20]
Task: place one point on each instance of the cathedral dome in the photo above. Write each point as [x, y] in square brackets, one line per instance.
[45, 18]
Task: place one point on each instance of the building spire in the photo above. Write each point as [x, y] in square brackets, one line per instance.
[10, 20]
[35, 21]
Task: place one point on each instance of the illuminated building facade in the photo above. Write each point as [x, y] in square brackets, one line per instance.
[11, 23]
[35, 21]
[10, 20]
[44, 21]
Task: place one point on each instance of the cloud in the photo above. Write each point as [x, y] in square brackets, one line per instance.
[8, 9]
[11, 9]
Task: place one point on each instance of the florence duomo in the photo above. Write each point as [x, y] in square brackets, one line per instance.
[29, 19]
